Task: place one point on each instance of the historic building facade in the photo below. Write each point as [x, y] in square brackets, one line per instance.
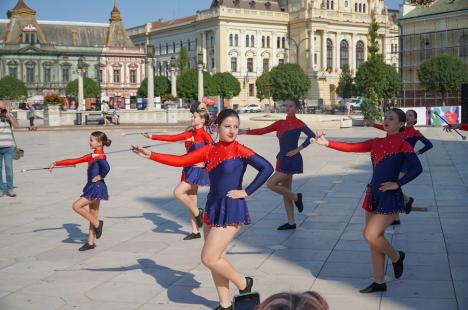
[248, 37]
[426, 32]
[45, 54]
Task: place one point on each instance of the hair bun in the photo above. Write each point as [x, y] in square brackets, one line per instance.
[108, 142]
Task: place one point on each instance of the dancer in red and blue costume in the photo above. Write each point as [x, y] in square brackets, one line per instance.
[226, 209]
[384, 197]
[289, 159]
[95, 189]
[194, 176]
[412, 136]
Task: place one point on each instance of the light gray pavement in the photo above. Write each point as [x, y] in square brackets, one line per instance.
[142, 263]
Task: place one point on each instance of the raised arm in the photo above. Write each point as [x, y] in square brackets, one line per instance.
[74, 161]
[264, 171]
[264, 130]
[310, 135]
[173, 138]
[378, 126]
[359, 147]
[189, 159]
[427, 145]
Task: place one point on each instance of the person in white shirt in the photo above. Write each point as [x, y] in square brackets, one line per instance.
[7, 146]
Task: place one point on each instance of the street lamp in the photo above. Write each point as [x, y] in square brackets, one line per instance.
[81, 68]
[298, 45]
[173, 77]
[150, 76]
[200, 76]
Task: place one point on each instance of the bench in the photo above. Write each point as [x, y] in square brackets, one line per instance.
[94, 118]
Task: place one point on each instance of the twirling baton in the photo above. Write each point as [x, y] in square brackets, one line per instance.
[36, 169]
[138, 133]
[145, 147]
[462, 136]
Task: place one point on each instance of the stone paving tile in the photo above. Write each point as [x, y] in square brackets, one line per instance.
[141, 262]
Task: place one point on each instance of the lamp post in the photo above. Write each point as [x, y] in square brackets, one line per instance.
[298, 45]
[81, 68]
[150, 76]
[173, 77]
[200, 76]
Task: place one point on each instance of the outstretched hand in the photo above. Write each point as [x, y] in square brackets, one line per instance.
[140, 151]
[51, 167]
[320, 139]
[146, 135]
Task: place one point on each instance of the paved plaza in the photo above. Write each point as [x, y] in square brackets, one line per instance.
[141, 261]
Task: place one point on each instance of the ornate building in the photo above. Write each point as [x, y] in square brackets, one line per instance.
[247, 38]
[428, 31]
[45, 54]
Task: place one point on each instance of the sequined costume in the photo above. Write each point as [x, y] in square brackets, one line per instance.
[226, 164]
[96, 166]
[288, 132]
[412, 136]
[194, 140]
[388, 155]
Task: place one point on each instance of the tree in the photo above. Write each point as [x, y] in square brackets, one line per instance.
[346, 83]
[289, 81]
[90, 88]
[183, 59]
[187, 85]
[226, 85]
[11, 88]
[162, 86]
[263, 84]
[373, 48]
[442, 74]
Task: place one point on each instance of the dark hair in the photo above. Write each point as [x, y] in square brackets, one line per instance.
[295, 101]
[194, 106]
[401, 117]
[225, 114]
[102, 137]
[290, 301]
[415, 115]
[204, 114]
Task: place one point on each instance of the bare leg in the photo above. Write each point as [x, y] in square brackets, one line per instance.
[94, 210]
[78, 207]
[374, 235]
[182, 193]
[274, 184]
[213, 258]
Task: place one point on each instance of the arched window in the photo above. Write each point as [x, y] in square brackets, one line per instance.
[364, 8]
[463, 46]
[236, 40]
[231, 40]
[278, 42]
[247, 41]
[328, 4]
[426, 49]
[344, 53]
[359, 53]
[332, 5]
[283, 42]
[360, 7]
[329, 54]
[173, 47]
[252, 41]
[263, 41]
[268, 41]
[181, 44]
[355, 7]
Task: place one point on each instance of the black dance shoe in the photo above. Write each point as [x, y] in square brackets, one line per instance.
[298, 203]
[287, 226]
[98, 230]
[87, 247]
[395, 222]
[193, 236]
[222, 308]
[199, 218]
[409, 205]
[248, 287]
[374, 287]
[398, 266]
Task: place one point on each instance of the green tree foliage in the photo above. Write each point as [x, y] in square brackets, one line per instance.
[183, 59]
[187, 85]
[264, 88]
[90, 87]
[11, 88]
[289, 81]
[226, 84]
[442, 74]
[162, 86]
[346, 88]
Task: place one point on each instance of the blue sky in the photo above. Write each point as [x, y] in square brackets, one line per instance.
[134, 12]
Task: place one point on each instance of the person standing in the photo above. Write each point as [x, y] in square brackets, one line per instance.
[105, 112]
[7, 146]
[30, 115]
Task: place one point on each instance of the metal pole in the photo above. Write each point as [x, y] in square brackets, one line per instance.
[200, 82]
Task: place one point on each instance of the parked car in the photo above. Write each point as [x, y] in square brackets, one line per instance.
[355, 103]
[252, 108]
